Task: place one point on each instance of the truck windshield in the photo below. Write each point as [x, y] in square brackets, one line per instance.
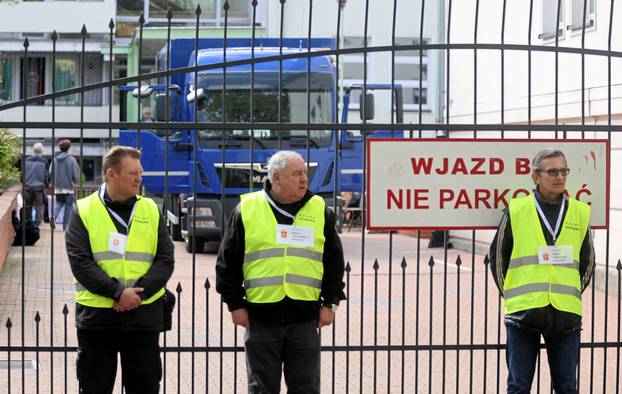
[266, 106]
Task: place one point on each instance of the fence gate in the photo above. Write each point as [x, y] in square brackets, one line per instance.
[417, 319]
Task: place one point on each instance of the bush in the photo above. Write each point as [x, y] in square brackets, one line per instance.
[9, 144]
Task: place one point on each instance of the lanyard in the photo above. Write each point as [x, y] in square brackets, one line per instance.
[546, 222]
[282, 212]
[113, 213]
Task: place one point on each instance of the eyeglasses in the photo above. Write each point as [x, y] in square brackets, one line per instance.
[552, 172]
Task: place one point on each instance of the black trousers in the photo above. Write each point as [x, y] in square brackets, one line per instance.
[96, 367]
[291, 349]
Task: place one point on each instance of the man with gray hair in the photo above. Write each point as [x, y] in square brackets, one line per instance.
[542, 260]
[280, 271]
[36, 179]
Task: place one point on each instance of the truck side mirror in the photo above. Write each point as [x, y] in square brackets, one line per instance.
[399, 105]
[197, 95]
[366, 108]
[160, 110]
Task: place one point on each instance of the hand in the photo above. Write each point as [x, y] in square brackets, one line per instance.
[240, 318]
[326, 317]
[129, 300]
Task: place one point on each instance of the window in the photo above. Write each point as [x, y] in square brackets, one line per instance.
[156, 10]
[130, 7]
[550, 27]
[6, 79]
[577, 14]
[34, 72]
[182, 8]
[409, 70]
[67, 75]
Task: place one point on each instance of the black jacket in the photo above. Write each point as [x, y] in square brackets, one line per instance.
[548, 320]
[86, 271]
[229, 275]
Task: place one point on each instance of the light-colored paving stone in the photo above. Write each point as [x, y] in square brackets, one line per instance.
[411, 306]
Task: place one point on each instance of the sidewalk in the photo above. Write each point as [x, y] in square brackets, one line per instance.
[373, 313]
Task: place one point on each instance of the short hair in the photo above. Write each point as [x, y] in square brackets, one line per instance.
[64, 145]
[115, 155]
[543, 155]
[279, 160]
[38, 148]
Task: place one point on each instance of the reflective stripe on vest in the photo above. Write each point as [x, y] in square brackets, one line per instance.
[140, 247]
[273, 271]
[528, 283]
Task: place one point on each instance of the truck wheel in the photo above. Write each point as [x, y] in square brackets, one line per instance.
[194, 244]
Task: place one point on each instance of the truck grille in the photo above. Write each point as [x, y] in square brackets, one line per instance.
[238, 174]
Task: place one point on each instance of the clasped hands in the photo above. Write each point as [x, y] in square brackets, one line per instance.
[129, 300]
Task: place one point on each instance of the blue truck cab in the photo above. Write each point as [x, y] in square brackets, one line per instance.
[209, 163]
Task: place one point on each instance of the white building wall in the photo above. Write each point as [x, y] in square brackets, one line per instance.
[62, 16]
[543, 88]
[380, 17]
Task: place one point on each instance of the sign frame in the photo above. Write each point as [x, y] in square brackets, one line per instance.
[368, 159]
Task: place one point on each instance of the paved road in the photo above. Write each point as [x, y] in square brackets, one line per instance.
[383, 308]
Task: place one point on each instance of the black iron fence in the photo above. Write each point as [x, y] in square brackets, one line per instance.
[417, 319]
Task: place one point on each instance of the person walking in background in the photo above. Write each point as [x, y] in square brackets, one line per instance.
[36, 179]
[66, 173]
[542, 259]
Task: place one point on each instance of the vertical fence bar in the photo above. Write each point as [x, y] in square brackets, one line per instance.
[447, 109]
[226, 7]
[403, 266]
[417, 287]
[393, 120]
[458, 267]
[178, 290]
[336, 135]
[619, 269]
[110, 77]
[38, 364]
[207, 287]
[167, 197]
[529, 72]
[503, 19]
[24, 212]
[82, 61]
[52, 218]
[281, 28]
[348, 269]
[307, 146]
[65, 312]
[195, 244]
[8, 326]
[141, 23]
[363, 196]
[486, 262]
[375, 352]
[431, 329]
[609, 35]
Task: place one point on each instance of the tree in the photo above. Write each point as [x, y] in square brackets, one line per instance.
[9, 144]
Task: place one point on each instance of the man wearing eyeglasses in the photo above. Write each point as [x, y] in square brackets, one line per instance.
[542, 259]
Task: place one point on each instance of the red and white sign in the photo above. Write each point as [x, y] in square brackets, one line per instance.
[466, 183]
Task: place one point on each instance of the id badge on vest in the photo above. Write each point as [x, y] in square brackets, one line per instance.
[294, 236]
[555, 254]
[117, 242]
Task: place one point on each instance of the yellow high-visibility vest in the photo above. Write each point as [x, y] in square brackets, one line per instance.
[528, 283]
[272, 270]
[140, 249]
